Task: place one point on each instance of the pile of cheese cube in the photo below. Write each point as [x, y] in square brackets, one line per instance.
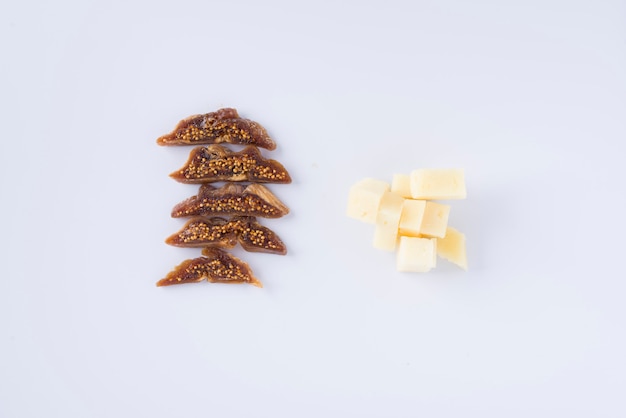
[408, 221]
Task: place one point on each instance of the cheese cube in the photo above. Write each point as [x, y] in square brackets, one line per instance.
[411, 218]
[401, 184]
[452, 248]
[435, 220]
[416, 254]
[438, 184]
[385, 237]
[387, 222]
[364, 199]
[390, 209]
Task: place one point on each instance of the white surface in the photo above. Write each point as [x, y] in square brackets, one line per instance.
[527, 96]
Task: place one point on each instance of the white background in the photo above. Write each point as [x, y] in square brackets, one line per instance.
[529, 97]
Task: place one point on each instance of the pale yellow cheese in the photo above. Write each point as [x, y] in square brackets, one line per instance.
[364, 199]
[385, 237]
[412, 216]
[401, 184]
[435, 220]
[452, 248]
[390, 209]
[438, 184]
[416, 254]
[387, 221]
[407, 221]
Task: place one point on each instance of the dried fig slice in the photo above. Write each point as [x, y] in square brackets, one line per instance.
[213, 163]
[231, 199]
[255, 237]
[218, 232]
[217, 267]
[203, 232]
[224, 125]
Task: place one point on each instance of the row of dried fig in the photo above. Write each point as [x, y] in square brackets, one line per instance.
[223, 216]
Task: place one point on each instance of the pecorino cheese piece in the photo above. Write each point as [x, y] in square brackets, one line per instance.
[364, 199]
[401, 184]
[412, 217]
[416, 254]
[452, 248]
[438, 184]
[387, 221]
[435, 220]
